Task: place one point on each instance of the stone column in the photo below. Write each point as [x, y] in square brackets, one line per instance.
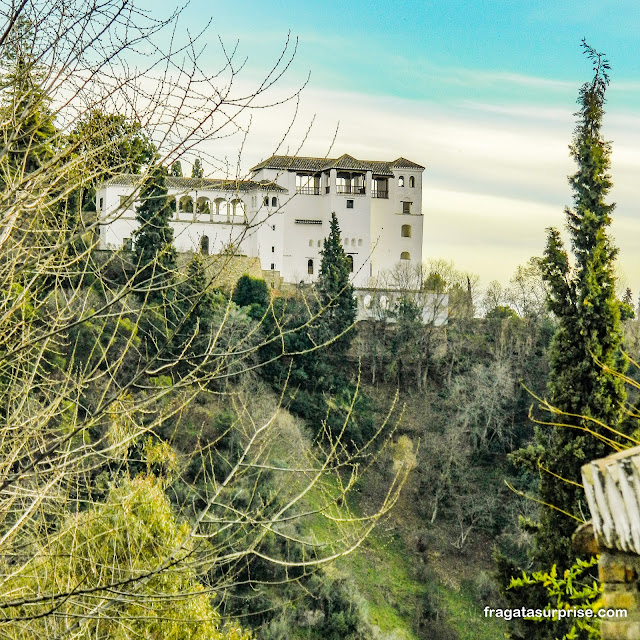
[333, 176]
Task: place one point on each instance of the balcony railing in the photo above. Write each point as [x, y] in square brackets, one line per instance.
[378, 193]
[308, 191]
[355, 190]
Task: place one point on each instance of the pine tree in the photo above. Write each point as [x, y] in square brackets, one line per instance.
[154, 251]
[197, 171]
[335, 289]
[110, 144]
[193, 314]
[589, 333]
[28, 130]
[627, 312]
[30, 143]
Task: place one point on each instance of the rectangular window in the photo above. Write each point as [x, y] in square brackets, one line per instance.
[273, 266]
[308, 184]
[101, 203]
[406, 207]
[273, 249]
[349, 204]
[273, 227]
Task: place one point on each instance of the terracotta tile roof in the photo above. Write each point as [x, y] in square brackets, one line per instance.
[349, 162]
[345, 162]
[403, 163]
[205, 184]
[294, 163]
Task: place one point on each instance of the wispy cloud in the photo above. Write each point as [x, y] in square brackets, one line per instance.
[495, 177]
[523, 111]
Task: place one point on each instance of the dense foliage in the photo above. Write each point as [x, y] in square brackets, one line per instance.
[154, 251]
[146, 475]
[585, 351]
[152, 483]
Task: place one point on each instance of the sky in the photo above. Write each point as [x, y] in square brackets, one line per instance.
[482, 93]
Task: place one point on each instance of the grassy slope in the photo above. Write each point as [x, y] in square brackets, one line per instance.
[398, 590]
[398, 584]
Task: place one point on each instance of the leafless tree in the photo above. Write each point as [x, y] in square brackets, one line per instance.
[78, 390]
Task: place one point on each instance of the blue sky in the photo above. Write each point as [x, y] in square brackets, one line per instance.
[481, 93]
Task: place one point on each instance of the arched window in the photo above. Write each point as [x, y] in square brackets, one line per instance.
[310, 266]
[311, 243]
[405, 255]
[353, 242]
[266, 201]
[405, 232]
[203, 206]
[346, 242]
[238, 207]
[360, 242]
[204, 245]
[412, 182]
[350, 263]
[274, 202]
[319, 243]
[186, 204]
[401, 181]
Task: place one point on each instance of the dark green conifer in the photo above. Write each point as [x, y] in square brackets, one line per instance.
[586, 346]
[154, 251]
[252, 293]
[335, 288]
[28, 132]
[197, 171]
[176, 169]
[193, 314]
[627, 311]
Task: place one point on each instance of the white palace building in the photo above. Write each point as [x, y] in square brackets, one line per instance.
[282, 214]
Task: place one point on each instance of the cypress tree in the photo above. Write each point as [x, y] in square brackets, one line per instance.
[176, 169]
[335, 289]
[589, 333]
[154, 251]
[197, 171]
[627, 312]
[194, 309]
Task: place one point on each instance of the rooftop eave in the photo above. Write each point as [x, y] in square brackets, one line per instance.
[176, 183]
